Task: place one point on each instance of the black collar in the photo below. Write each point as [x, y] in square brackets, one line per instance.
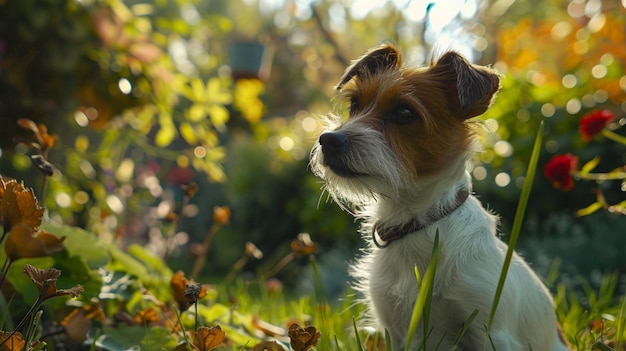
[388, 234]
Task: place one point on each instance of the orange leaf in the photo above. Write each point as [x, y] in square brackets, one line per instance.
[14, 342]
[18, 204]
[148, 315]
[76, 325]
[206, 339]
[28, 124]
[21, 243]
[45, 140]
[185, 291]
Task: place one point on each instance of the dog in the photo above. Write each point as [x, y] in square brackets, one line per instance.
[399, 163]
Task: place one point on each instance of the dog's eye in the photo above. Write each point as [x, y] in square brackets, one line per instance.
[403, 115]
[354, 106]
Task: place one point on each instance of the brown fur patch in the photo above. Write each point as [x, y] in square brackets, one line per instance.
[426, 145]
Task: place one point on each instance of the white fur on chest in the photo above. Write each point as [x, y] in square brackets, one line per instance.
[466, 278]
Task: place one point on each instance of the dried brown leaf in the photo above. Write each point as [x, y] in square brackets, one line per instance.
[206, 339]
[14, 342]
[303, 339]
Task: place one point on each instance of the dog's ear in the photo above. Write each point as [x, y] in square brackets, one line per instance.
[380, 58]
[474, 86]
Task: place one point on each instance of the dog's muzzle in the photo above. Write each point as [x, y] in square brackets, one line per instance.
[335, 149]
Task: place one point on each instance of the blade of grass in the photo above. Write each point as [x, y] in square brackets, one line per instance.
[337, 342]
[423, 300]
[320, 299]
[464, 329]
[620, 327]
[602, 346]
[517, 221]
[356, 334]
[387, 340]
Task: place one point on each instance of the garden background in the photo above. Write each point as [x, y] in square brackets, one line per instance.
[174, 135]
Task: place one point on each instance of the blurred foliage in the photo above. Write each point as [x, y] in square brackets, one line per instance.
[146, 98]
[143, 99]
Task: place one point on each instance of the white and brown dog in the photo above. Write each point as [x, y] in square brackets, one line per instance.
[400, 159]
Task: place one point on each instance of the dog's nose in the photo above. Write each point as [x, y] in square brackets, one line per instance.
[333, 142]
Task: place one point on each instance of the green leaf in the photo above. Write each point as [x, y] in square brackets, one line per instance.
[76, 271]
[120, 286]
[149, 260]
[81, 243]
[136, 337]
[121, 261]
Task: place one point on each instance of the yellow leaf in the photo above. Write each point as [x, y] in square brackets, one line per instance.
[198, 92]
[216, 94]
[589, 209]
[196, 113]
[165, 135]
[219, 116]
[589, 166]
[188, 133]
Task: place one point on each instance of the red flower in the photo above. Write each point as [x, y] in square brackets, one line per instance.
[593, 123]
[559, 171]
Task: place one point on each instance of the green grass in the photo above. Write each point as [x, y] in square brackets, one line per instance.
[249, 313]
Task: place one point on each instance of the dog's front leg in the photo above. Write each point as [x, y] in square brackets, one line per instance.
[389, 320]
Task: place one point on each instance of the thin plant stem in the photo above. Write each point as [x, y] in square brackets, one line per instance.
[280, 265]
[5, 270]
[182, 328]
[30, 334]
[44, 188]
[25, 319]
[4, 234]
[195, 305]
[600, 176]
[236, 268]
[201, 259]
[614, 136]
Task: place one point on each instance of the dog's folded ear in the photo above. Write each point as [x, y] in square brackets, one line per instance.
[474, 86]
[376, 60]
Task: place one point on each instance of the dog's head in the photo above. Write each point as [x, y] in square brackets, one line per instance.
[405, 124]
